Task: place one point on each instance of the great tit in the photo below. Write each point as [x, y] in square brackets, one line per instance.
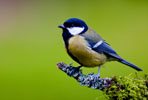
[87, 47]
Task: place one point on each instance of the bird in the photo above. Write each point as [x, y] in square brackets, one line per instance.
[87, 47]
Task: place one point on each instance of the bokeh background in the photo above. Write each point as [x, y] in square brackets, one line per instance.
[31, 45]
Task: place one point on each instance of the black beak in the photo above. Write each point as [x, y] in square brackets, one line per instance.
[61, 26]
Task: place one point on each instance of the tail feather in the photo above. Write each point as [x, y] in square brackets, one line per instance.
[131, 65]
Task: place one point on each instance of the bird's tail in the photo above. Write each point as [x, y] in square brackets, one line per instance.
[131, 65]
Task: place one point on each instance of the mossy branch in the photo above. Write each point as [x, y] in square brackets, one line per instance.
[116, 87]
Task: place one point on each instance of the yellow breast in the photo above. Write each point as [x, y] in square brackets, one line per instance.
[79, 48]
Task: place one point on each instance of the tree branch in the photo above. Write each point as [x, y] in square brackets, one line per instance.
[116, 87]
[85, 80]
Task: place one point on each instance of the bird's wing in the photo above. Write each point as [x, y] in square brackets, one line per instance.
[91, 35]
[97, 44]
[103, 47]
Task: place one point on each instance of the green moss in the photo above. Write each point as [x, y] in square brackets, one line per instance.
[127, 88]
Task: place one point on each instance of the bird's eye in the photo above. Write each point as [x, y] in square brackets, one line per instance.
[69, 24]
[72, 25]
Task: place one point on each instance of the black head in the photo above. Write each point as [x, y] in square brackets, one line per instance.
[74, 26]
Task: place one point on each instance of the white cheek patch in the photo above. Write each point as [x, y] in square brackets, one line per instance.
[75, 30]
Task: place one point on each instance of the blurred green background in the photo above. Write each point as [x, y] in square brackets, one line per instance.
[31, 45]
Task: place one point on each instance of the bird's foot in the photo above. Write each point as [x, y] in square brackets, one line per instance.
[96, 77]
[74, 69]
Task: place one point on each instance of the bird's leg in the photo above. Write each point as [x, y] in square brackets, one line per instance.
[74, 69]
[98, 75]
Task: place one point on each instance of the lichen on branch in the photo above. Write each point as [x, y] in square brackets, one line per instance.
[116, 87]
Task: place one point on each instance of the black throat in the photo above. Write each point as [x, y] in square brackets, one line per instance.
[66, 36]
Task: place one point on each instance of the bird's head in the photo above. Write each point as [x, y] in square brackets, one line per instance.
[74, 26]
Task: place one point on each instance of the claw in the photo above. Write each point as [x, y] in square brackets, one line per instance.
[73, 70]
[96, 77]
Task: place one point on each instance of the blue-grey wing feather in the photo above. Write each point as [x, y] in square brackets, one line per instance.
[99, 45]
[104, 48]
[93, 37]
